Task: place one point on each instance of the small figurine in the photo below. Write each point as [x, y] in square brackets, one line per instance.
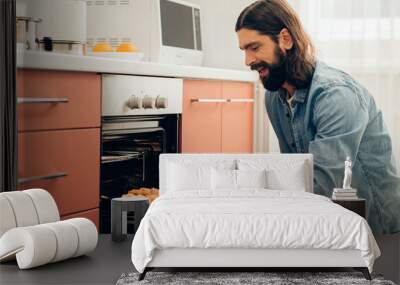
[347, 192]
[347, 174]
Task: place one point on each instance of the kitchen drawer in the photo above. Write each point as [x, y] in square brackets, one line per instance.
[82, 92]
[75, 153]
[92, 215]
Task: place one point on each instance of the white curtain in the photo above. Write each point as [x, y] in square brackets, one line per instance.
[361, 37]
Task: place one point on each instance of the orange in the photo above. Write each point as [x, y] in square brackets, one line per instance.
[127, 47]
[102, 47]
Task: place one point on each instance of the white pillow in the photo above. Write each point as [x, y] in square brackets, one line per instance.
[184, 177]
[281, 174]
[292, 179]
[223, 179]
[251, 178]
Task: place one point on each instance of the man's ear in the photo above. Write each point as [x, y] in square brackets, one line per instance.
[285, 39]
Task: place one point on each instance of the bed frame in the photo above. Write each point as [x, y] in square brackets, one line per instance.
[242, 259]
[245, 259]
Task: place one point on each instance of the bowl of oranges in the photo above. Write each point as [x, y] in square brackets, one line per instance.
[125, 51]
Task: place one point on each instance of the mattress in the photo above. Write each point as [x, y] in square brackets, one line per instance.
[250, 219]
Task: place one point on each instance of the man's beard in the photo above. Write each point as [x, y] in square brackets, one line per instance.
[276, 72]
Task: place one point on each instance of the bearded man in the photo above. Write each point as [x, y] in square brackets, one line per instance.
[317, 109]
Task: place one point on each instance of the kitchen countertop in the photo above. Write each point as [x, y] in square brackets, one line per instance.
[59, 61]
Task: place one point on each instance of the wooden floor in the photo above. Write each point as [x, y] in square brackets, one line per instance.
[103, 266]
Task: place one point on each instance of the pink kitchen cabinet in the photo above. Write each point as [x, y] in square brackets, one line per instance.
[73, 156]
[217, 117]
[201, 121]
[59, 137]
[52, 100]
[237, 117]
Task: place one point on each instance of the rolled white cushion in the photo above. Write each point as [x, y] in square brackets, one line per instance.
[7, 218]
[37, 245]
[34, 245]
[87, 235]
[67, 240]
[23, 208]
[45, 205]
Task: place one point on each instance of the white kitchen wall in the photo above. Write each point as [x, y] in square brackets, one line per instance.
[61, 20]
[218, 20]
[221, 48]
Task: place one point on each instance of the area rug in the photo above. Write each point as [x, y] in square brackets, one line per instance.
[244, 278]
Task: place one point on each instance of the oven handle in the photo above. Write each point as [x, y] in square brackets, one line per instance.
[109, 134]
[42, 177]
[21, 100]
[131, 131]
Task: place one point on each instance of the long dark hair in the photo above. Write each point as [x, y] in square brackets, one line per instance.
[269, 17]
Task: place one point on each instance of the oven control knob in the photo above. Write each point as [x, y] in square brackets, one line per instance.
[161, 102]
[134, 102]
[147, 102]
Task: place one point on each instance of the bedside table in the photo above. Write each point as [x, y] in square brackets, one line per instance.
[358, 206]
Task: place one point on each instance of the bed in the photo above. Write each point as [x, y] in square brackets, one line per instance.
[247, 211]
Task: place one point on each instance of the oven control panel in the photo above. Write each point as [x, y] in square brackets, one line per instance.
[124, 95]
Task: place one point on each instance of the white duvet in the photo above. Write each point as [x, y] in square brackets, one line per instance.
[252, 218]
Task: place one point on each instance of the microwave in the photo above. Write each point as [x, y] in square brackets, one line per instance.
[166, 31]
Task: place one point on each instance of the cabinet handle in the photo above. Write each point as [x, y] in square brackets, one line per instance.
[43, 177]
[244, 100]
[24, 100]
[208, 100]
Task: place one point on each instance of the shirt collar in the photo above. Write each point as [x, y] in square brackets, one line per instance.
[300, 95]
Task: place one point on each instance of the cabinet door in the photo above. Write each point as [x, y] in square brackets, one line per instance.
[237, 117]
[58, 100]
[75, 153]
[201, 121]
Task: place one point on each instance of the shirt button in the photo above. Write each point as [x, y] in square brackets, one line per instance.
[293, 145]
[288, 115]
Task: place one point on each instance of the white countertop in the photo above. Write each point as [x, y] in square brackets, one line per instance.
[58, 61]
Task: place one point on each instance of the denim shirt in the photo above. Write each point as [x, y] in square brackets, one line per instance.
[335, 118]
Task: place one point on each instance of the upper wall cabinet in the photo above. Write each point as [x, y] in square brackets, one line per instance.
[217, 117]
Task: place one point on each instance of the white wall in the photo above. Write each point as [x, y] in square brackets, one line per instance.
[218, 19]
[219, 37]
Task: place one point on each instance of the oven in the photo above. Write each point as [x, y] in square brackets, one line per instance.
[140, 120]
